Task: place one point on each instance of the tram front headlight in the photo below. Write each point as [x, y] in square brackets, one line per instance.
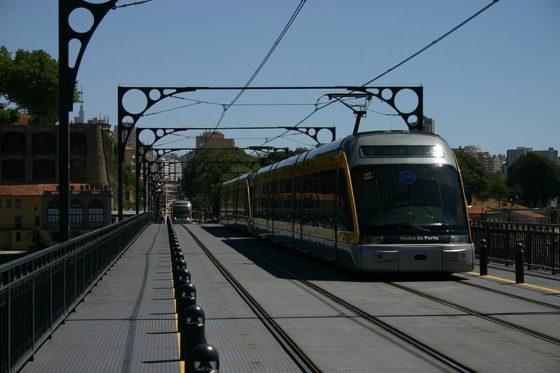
[458, 238]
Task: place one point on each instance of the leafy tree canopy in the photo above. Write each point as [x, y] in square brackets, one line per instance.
[206, 170]
[29, 79]
[536, 177]
[7, 115]
[475, 177]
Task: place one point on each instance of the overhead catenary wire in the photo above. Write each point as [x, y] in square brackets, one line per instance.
[263, 62]
[131, 4]
[433, 42]
[401, 62]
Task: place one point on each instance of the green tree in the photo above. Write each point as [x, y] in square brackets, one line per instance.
[475, 177]
[8, 115]
[40, 238]
[498, 189]
[205, 172]
[29, 79]
[537, 177]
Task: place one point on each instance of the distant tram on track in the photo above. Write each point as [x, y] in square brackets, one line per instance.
[374, 202]
[181, 212]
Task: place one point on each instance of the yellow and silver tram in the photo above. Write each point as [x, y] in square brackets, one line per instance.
[181, 211]
[384, 201]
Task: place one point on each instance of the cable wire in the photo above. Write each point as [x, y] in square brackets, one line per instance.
[432, 43]
[276, 43]
[400, 63]
[131, 4]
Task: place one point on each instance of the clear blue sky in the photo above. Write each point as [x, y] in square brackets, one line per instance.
[494, 83]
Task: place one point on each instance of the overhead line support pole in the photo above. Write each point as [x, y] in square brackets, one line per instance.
[67, 73]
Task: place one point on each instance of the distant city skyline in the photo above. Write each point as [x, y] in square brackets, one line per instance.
[493, 83]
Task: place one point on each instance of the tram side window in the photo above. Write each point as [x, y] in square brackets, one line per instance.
[240, 210]
[326, 189]
[285, 200]
[343, 211]
[309, 201]
[272, 191]
[261, 201]
[298, 195]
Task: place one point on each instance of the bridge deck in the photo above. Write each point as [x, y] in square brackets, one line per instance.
[128, 322]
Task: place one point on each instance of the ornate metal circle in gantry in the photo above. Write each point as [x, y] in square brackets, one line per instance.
[157, 134]
[66, 11]
[413, 116]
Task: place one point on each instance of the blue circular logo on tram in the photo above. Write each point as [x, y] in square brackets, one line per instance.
[407, 177]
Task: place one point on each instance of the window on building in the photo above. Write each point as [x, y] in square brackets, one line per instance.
[18, 221]
[76, 212]
[95, 212]
[52, 215]
[8, 203]
[38, 221]
[76, 215]
[0, 203]
[95, 215]
[18, 236]
[18, 203]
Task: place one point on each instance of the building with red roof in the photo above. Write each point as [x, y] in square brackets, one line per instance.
[26, 209]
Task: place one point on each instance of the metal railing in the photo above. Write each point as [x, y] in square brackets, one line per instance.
[541, 243]
[38, 291]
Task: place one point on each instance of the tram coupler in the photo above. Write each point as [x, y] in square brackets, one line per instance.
[519, 260]
[483, 257]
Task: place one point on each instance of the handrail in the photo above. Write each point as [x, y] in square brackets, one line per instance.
[541, 243]
[39, 290]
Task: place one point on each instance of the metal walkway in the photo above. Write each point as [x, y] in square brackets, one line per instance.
[127, 323]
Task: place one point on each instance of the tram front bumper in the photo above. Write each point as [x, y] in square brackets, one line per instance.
[417, 258]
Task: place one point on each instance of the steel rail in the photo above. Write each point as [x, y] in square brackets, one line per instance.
[514, 296]
[450, 362]
[286, 342]
[483, 316]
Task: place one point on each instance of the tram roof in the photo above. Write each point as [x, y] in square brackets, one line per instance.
[248, 175]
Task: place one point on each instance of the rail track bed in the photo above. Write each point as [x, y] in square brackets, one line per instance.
[338, 321]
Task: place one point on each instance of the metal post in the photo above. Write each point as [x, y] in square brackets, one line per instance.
[64, 107]
[483, 257]
[137, 174]
[193, 333]
[145, 190]
[205, 359]
[519, 259]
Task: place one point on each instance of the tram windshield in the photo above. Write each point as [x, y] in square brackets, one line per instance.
[409, 199]
[181, 211]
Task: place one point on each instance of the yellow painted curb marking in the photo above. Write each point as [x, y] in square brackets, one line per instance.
[513, 282]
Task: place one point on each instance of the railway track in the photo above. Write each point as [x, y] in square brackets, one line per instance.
[289, 345]
[514, 296]
[448, 303]
[484, 316]
[297, 354]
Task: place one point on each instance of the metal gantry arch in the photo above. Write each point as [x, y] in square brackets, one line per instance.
[67, 72]
[127, 119]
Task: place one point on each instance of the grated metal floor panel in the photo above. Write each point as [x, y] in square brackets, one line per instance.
[126, 324]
